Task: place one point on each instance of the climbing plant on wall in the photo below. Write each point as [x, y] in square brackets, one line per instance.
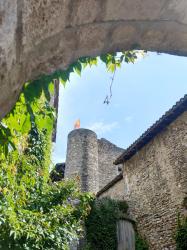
[140, 243]
[35, 213]
[101, 224]
[181, 234]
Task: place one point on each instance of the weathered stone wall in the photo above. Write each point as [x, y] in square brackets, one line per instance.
[115, 192]
[107, 154]
[82, 158]
[40, 36]
[155, 184]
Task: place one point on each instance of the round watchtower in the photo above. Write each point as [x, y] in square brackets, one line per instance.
[82, 158]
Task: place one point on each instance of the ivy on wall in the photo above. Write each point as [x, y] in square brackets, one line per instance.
[181, 234]
[101, 224]
[140, 243]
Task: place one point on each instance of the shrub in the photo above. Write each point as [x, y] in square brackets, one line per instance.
[101, 224]
[140, 243]
[181, 234]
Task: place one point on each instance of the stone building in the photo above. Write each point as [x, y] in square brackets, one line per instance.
[153, 179]
[91, 159]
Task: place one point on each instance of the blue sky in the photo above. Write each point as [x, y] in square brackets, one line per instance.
[142, 92]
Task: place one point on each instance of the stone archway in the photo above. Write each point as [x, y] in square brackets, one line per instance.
[40, 36]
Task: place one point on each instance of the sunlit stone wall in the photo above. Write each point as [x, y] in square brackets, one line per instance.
[155, 184]
[90, 159]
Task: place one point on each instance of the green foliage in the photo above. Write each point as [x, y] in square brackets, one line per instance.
[140, 243]
[31, 110]
[111, 61]
[101, 224]
[181, 234]
[42, 218]
[35, 213]
[122, 206]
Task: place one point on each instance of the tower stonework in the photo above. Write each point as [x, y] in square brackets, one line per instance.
[107, 154]
[82, 158]
[91, 159]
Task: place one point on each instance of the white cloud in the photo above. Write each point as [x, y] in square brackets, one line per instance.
[102, 128]
[128, 119]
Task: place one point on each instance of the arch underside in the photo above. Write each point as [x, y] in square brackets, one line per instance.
[40, 36]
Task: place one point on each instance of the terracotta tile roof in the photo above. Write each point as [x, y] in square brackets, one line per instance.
[155, 129]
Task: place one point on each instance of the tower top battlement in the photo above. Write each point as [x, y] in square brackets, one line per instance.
[81, 131]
